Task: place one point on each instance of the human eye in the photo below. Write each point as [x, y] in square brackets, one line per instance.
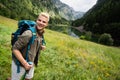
[44, 21]
[39, 19]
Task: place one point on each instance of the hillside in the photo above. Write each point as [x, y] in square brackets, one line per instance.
[29, 9]
[66, 58]
[104, 17]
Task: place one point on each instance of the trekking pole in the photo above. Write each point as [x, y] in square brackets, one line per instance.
[23, 78]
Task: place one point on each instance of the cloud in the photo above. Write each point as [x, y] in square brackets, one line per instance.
[80, 5]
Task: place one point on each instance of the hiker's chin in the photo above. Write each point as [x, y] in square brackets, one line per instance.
[39, 28]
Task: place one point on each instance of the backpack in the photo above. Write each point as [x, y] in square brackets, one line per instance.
[24, 25]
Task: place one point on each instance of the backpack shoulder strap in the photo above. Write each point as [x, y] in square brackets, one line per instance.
[43, 40]
[33, 30]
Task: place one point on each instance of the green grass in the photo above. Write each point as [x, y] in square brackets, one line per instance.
[66, 58]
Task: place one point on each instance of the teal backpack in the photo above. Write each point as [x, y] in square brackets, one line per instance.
[24, 25]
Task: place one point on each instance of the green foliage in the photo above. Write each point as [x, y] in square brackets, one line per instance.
[82, 37]
[58, 25]
[19, 11]
[106, 39]
[114, 30]
[5, 52]
[65, 58]
[86, 36]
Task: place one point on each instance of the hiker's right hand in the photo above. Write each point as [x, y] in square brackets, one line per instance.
[27, 66]
[43, 47]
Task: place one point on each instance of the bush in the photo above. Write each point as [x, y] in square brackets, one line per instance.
[86, 36]
[82, 37]
[105, 39]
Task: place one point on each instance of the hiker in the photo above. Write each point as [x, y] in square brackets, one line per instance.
[19, 48]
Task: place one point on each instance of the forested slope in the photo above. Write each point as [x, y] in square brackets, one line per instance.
[104, 17]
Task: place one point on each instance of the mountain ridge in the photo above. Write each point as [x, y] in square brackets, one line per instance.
[66, 11]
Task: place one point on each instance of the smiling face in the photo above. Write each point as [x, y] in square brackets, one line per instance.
[41, 22]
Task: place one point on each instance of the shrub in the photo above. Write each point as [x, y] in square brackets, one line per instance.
[105, 39]
[82, 37]
[88, 35]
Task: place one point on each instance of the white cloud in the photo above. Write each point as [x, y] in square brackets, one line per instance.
[80, 5]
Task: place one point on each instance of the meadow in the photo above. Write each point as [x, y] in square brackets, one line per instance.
[65, 58]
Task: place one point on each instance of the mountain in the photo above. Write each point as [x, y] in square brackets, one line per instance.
[67, 12]
[104, 17]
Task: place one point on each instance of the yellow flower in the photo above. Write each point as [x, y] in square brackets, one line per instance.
[107, 74]
[92, 63]
[99, 78]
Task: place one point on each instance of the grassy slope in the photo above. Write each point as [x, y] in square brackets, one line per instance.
[65, 58]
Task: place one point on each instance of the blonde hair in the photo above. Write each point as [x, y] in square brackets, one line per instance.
[45, 15]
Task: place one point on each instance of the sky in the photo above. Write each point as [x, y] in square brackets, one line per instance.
[80, 5]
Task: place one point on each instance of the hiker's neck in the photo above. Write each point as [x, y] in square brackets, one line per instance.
[40, 32]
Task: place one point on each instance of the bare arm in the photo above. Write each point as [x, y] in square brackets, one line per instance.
[19, 44]
[19, 56]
